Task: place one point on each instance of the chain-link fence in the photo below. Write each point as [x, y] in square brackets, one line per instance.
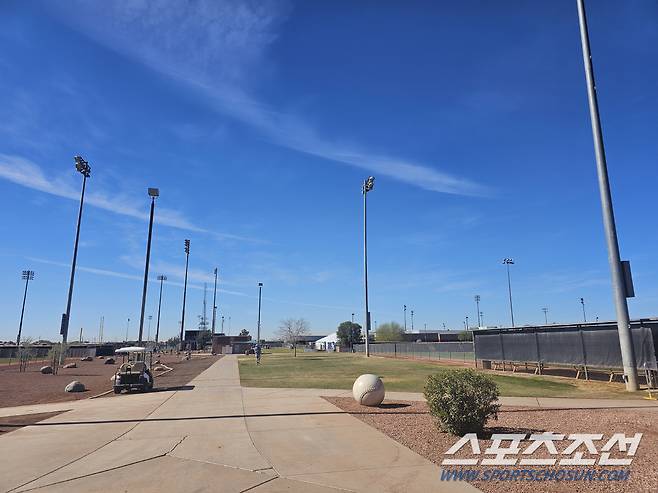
[451, 351]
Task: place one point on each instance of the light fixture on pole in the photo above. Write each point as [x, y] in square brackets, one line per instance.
[260, 292]
[508, 262]
[162, 278]
[214, 305]
[545, 310]
[153, 193]
[222, 324]
[368, 185]
[84, 169]
[582, 302]
[621, 284]
[182, 323]
[467, 325]
[405, 317]
[27, 276]
[477, 304]
[352, 318]
[412, 320]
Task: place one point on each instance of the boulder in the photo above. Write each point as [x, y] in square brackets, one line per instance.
[101, 357]
[70, 365]
[109, 361]
[87, 358]
[75, 386]
[46, 369]
[160, 368]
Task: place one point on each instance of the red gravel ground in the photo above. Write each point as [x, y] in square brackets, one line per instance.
[411, 424]
[32, 387]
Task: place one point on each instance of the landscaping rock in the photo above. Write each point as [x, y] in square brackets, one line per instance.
[87, 358]
[109, 361]
[160, 368]
[75, 386]
[46, 369]
[70, 365]
[101, 357]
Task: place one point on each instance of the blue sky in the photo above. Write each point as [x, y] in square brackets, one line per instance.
[259, 120]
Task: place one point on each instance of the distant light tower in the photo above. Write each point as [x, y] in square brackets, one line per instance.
[214, 306]
[182, 324]
[352, 318]
[260, 292]
[482, 318]
[222, 324]
[619, 270]
[368, 185]
[405, 317]
[545, 310]
[467, 326]
[127, 328]
[477, 304]
[507, 262]
[27, 276]
[582, 302]
[162, 278]
[229, 325]
[153, 193]
[85, 170]
[148, 335]
[412, 320]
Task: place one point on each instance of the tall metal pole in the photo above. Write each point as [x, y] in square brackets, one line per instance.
[352, 318]
[367, 186]
[582, 302]
[162, 279]
[618, 284]
[222, 324]
[182, 324]
[83, 167]
[545, 310]
[127, 328]
[405, 317]
[477, 304]
[508, 262]
[153, 194]
[28, 275]
[214, 305]
[412, 320]
[260, 291]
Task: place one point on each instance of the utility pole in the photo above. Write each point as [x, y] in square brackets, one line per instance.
[620, 288]
[127, 329]
[352, 318]
[229, 325]
[260, 292]
[214, 305]
[508, 262]
[477, 304]
[153, 193]
[100, 329]
[182, 323]
[85, 170]
[482, 318]
[27, 275]
[545, 310]
[412, 320]
[405, 317]
[204, 322]
[222, 324]
[582, 302]
[367, 187]
[162, 278]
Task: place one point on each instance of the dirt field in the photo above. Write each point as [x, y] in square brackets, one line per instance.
[32, 387]
[411, 424]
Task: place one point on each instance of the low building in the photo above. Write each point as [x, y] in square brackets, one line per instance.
[223, 344]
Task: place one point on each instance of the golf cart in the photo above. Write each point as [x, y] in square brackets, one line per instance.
[135, 369]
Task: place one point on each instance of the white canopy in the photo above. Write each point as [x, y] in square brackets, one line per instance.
[133, 349]
[327, 342]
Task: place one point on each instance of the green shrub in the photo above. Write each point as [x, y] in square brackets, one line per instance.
[462, 400]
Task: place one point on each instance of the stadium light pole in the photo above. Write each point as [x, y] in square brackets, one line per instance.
[27, 276]
[153, 193]
[162, 278]
[582, 302]
[545, 310]
[260, 292]
[404, 309]
[182, 324]
[477, 304]
[412, 320]
[482, 318]
[84, 169]
[368, 185]
[127, 328]
[620, 289]
[508, 262]
[214, 305]
[352, 318]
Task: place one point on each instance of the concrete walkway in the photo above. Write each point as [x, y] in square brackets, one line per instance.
[214, 437]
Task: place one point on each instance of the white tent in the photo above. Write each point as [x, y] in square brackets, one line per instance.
[327, 343]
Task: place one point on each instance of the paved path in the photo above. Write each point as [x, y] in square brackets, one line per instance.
[214, 437]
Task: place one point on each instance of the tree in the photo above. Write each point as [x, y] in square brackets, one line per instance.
[290, 330]
[465, 335]
[348, 333]
[390, 332]
[203, 338]
[244, 332]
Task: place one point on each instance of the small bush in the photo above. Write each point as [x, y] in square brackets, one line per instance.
[462, 400]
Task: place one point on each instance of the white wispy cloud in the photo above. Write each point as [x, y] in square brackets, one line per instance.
[26, 173]
[216, 47]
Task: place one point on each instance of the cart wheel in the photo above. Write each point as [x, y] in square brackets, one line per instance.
[117, 390]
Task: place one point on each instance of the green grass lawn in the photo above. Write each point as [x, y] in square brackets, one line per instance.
[339, 370]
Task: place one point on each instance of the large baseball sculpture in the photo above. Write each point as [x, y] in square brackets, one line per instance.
[368, 390]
